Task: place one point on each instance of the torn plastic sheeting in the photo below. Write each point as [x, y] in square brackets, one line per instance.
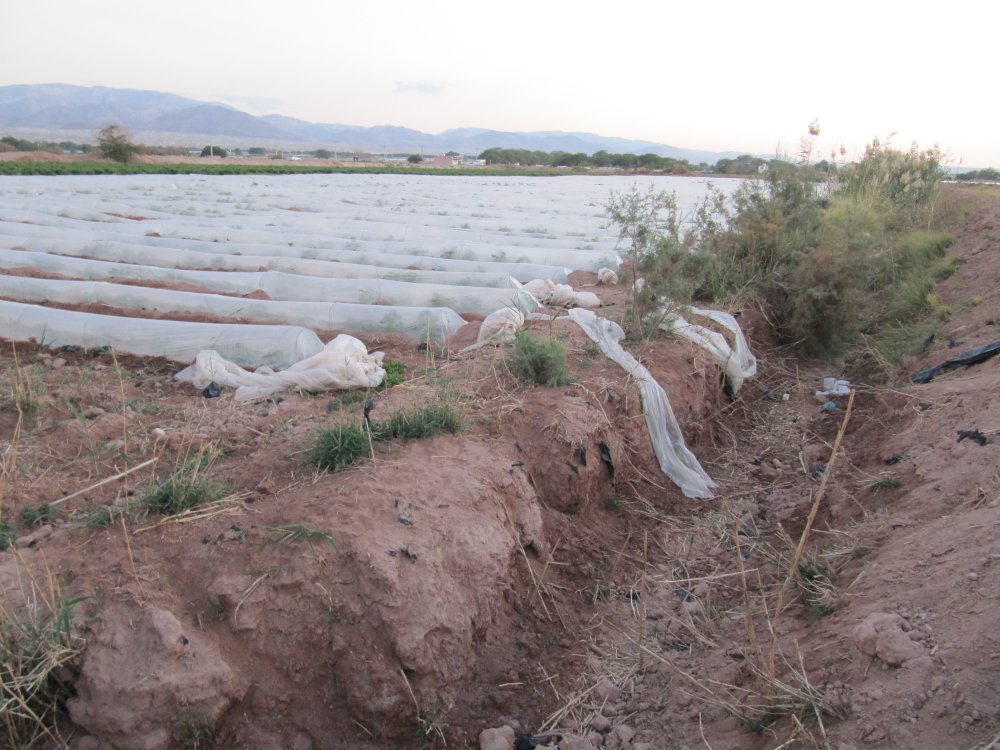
[547, 292]
[419, 323]
[499, 327]
[736, 360]
[676, 461]
[180, 341]
[969, 357]
[342, 364]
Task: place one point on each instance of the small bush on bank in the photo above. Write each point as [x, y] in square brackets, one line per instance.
[535, 360]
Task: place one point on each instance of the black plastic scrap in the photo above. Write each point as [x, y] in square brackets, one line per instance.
[969, 357]
[212, 390]
[606, 458]
[973, 435]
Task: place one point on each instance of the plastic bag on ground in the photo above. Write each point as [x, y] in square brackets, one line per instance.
[547, 292]
[499, 327]
[607, 276]
[343, 363]
[676, 461]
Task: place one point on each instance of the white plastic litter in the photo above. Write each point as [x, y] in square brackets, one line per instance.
[499, 327]
[419, 323]
[547, 292]
[736, 360]
[606, 276]
[676, 461]
[342, 364]
[277, 346]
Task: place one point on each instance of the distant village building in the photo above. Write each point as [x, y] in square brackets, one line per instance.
[444, 161]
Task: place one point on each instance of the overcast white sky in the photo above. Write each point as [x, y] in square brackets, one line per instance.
[704, 74]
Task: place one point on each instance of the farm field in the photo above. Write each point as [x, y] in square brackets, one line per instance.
[527, 569]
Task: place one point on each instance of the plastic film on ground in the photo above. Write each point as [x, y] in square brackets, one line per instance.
[676, 461]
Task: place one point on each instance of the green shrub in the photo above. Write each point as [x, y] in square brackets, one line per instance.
[338, 447]
[535, 360]
[394, 374]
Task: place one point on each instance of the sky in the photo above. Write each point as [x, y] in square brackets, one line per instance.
[702, 74]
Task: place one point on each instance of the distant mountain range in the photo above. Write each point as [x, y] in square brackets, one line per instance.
[57, 111]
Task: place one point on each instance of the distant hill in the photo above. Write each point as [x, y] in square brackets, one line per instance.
[57, 108]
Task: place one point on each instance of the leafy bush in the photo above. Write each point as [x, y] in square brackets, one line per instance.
[834, 256]
[538, 361]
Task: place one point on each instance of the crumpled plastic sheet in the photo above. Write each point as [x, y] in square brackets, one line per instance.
[676, 460]
[736, 360]
[499, 327]
[180, 341]
[547, 292]
[607, 276]
[343, 363]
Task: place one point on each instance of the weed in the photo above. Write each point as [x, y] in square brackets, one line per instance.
[538, 361]
[348, 398]
[6, 536]
[193, 731]
[187, 487]
[98, 518]
[816, 584]
[883, 483]
[297, 532]
[37, 515]
[338, 447]
[394, 374]
[37, 654]
[421, 422]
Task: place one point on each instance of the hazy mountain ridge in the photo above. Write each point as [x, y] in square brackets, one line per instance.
[63, 107]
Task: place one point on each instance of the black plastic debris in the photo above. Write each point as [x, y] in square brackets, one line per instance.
[727, 388]
[975, 435]
[581, 451]
[818, 470]
[969, 357]
[405, 519]
[411, 556]
[525, 742]
[606, 458]
[212, 390]
[682, 594]
[369, 408]
[895, 458]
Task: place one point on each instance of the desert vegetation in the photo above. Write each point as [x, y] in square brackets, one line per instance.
[837, 259]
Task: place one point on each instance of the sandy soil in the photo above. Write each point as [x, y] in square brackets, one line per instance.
[502, 581]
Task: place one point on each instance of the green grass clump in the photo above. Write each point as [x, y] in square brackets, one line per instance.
[6, 536]
[37, 655]
[538, 361]
[421, 422]
[297, 532]
[394, 374]
[37, 515]
[338, 447]
[186, 488]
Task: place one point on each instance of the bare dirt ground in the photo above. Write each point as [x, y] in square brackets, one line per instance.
[505, 580]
